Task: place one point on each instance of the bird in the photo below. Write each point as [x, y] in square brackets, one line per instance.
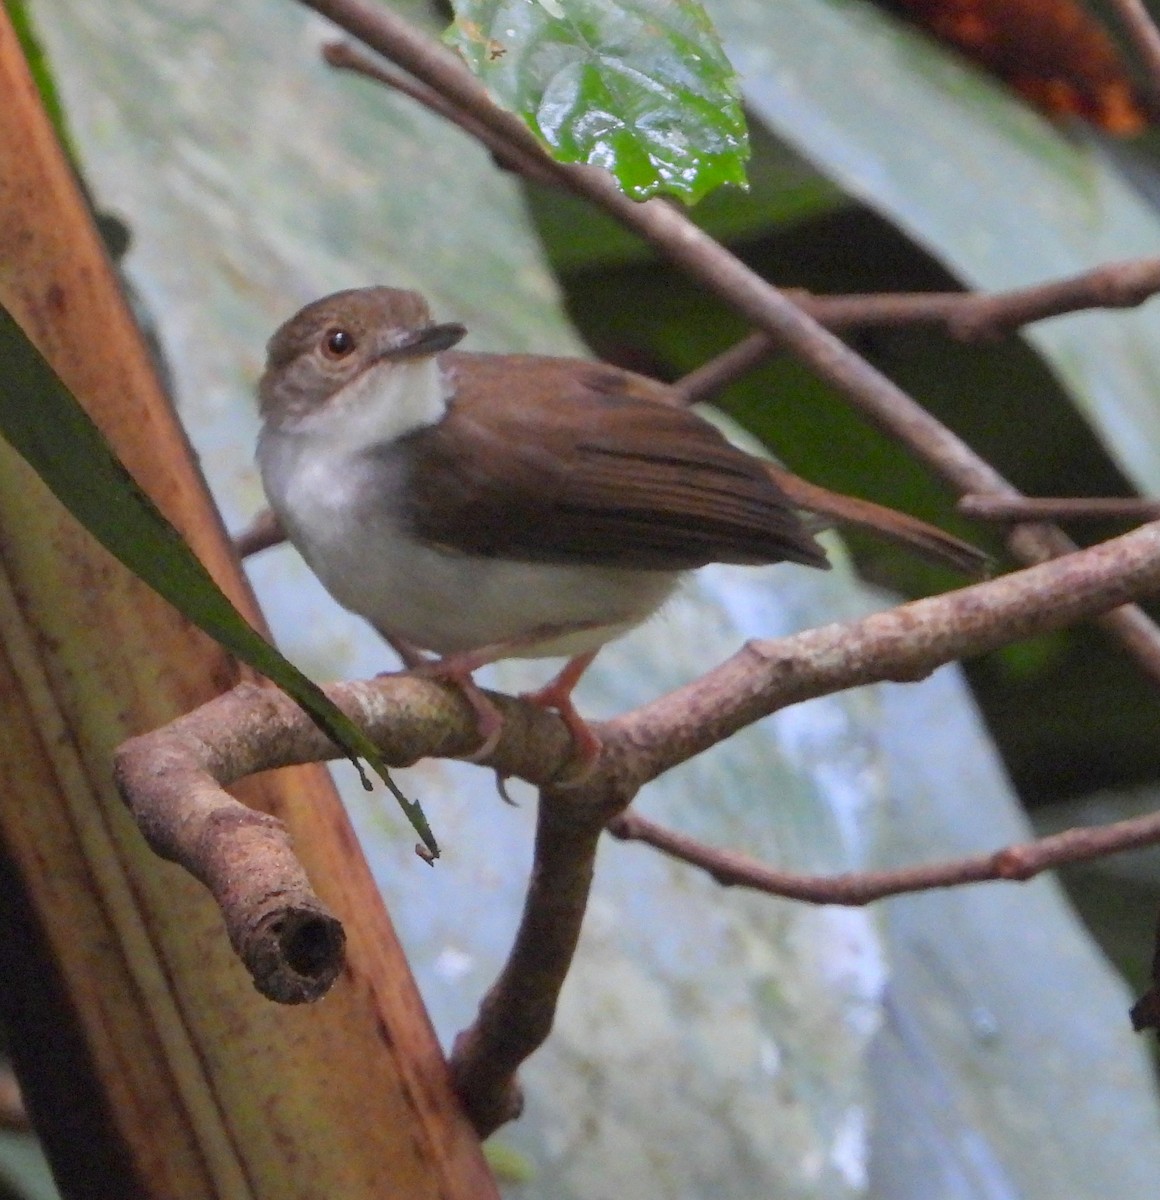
[476, 507]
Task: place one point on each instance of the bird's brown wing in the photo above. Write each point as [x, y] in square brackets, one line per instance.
[589, 468]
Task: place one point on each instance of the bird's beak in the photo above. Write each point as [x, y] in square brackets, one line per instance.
[418, 343]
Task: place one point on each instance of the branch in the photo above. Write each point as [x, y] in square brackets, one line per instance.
[1146, 38]
[173, 778]
[516, 1015]
[173, 781]
[966, 316]
[673, 235]
[1059, 508]
[1014, 863]
[901, 644]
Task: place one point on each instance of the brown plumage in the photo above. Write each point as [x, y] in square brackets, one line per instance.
[496, 506]
[593, 469]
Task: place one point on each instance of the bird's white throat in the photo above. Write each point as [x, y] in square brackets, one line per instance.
[386, 401]
[314, 466]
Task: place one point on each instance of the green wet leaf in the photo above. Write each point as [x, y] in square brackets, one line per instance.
[43, 422]
[640, 87]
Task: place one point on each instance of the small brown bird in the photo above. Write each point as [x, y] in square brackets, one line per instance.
[489, 506]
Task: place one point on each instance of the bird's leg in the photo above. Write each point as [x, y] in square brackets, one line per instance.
[455, 669]
[458, 668]
[412, 657]
[557, 694]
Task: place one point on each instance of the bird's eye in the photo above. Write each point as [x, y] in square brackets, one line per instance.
[337, 343]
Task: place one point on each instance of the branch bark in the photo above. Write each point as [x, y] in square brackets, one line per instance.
[856, 888]
[516, 1015]
[965, 316]
[166, 773]
[1059, 508]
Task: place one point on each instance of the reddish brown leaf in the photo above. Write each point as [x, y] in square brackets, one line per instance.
[1053, 52]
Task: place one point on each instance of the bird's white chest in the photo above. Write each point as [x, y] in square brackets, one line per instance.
[342, 509]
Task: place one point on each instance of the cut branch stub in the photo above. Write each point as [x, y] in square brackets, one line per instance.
[290, 943]
[293, 954]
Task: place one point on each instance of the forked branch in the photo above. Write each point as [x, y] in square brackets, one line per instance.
[173, 778]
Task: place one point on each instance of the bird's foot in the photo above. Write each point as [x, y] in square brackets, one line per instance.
[412, 657]
[457, 669]
[557, 695]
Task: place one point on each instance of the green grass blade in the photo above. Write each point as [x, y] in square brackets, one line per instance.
[43, 422]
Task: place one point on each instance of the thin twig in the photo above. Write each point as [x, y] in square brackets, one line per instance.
[1059, 508]
[966, 316]
[1016, 863]
[984, 316]
[715, 374]
[675, 236]
[344, 57]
